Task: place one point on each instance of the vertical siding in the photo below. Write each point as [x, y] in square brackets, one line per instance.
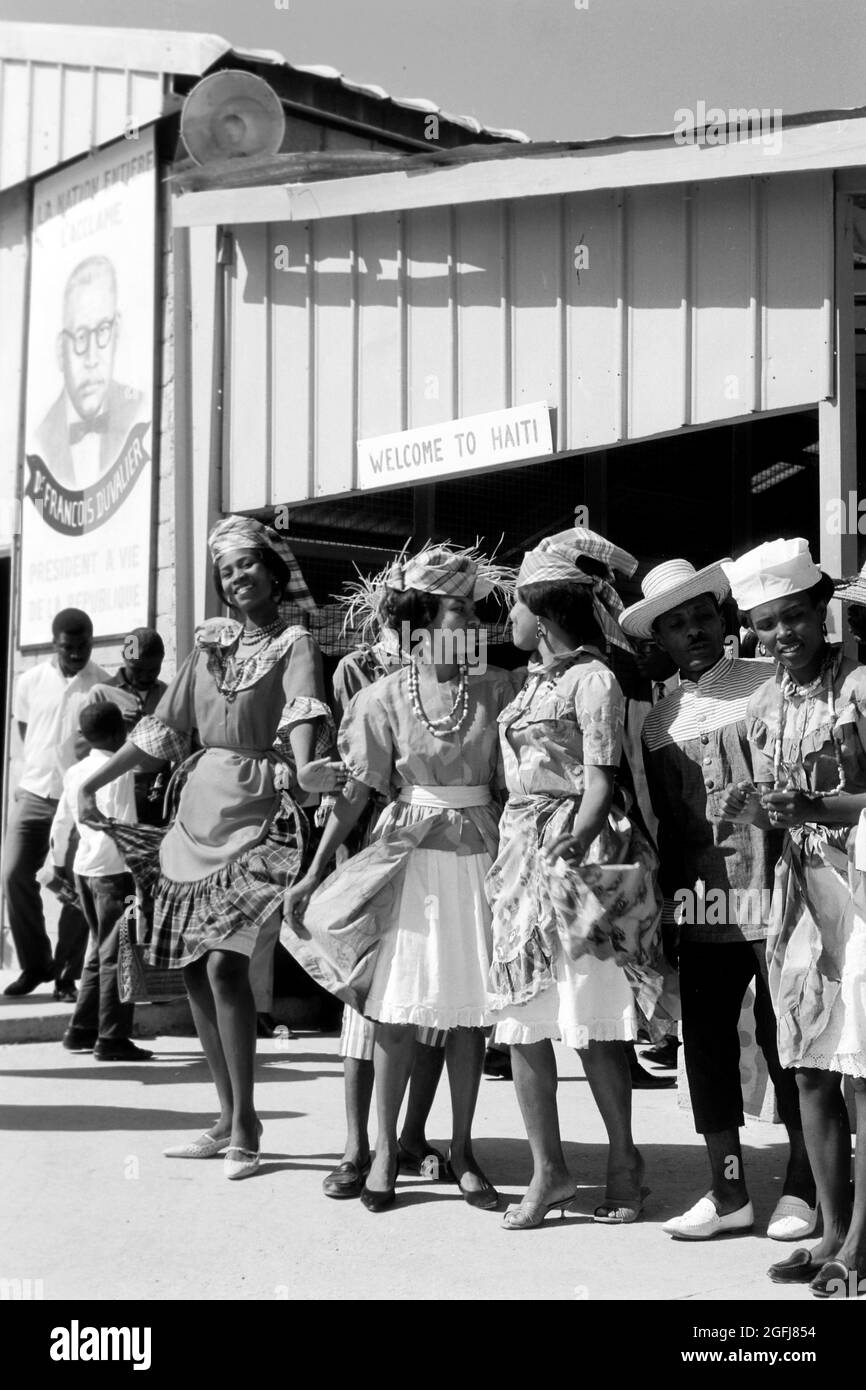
[629, 313]
[14, 228]
[798, 269]
[335, 353]
[289, 367]
[50, 112]
[430, 344]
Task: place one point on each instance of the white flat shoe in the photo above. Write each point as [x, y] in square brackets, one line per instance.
[792, 1219]
[702, 1222]
[246, 1162]
[203, 1147]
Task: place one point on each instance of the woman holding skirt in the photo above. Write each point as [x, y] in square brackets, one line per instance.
[250, 698]
[427, 734]
[808, 738]
[561, 742]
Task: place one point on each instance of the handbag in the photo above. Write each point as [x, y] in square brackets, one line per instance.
[138, 982]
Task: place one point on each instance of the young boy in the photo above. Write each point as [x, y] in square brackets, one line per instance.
[100, 1023]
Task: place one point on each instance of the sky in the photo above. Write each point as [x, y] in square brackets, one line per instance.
[556, 69]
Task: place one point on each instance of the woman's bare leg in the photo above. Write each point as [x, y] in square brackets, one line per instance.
[607, 1071]
[427, 1067]
[827, 1132]
[853, 1251]
[228, 973]
[204, 1017]
[464, 1057]
[535, 1081]
[392, 1062]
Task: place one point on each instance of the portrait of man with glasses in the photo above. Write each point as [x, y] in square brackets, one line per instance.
[84, 431]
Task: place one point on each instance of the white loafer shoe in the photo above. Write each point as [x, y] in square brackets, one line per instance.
[792, 1219]
[702, 1222]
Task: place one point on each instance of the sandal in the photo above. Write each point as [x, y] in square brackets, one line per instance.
[527, 1215]
[621, 1212]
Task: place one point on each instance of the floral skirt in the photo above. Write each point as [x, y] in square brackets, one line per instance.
[817, 957]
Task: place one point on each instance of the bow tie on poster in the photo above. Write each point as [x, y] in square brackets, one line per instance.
[79, 429]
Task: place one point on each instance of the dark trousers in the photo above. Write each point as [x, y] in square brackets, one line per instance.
[713, 981]
[99, 1009]
[27, 837]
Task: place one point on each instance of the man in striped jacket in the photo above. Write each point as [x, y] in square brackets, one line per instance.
[719, 875]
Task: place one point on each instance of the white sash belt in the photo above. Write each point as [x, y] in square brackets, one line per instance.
[445, 798]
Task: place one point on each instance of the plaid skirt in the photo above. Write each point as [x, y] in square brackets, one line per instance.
[189, 919]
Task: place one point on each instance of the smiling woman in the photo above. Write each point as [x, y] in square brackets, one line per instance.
[808, 737]
[252, 693]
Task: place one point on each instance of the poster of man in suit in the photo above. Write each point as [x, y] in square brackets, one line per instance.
[87, 488]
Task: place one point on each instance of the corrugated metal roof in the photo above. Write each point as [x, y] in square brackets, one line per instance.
[68, 88]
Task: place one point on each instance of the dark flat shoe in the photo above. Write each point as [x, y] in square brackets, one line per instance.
[347, 1180]
[799, 1268]
[487, 1199]
[649, 1081]
[378, 1201]
[836, 1280]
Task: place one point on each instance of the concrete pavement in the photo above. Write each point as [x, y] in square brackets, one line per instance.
[89, 1207]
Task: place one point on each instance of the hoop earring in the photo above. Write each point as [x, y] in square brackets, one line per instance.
[539, 630]
[762, 649]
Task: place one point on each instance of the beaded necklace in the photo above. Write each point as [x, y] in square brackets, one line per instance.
[449, 723]
[249, 637]
[788, 687]
[235, 666]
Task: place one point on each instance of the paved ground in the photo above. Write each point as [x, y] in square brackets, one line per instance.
[92, 1209]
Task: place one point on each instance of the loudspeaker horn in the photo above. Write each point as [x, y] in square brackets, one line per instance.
[231, 115]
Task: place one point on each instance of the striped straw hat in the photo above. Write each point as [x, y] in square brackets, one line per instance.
[666, 587]
[853, 589]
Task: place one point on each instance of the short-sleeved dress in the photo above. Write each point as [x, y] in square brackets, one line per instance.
[236, 837]
[569, 716]
[434, 941]
[817, 944]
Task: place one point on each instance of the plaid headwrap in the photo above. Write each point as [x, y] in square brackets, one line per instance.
[246, 533]
[557, 559]
[451, 573]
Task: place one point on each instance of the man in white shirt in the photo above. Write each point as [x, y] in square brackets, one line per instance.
[100, 1023]
[46, 704]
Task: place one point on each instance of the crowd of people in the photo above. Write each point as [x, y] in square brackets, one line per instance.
[500, 858]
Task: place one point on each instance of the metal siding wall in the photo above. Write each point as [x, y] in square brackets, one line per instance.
[50, 112]
[14, 227]
[430, 344]
[722, 346]
[45, 117]
[250, 386]
[380, 381]
[594, 314]
[77, 125]
[535, 266]
[14, 123]
[798, 223]
[482, 300]
[334, 355]
[657, 298]
[697, 304]
[290, 364]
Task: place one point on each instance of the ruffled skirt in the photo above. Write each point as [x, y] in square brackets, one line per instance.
[590, 1001]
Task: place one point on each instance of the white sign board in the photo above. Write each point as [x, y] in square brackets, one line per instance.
[86, 519]
[440, 451]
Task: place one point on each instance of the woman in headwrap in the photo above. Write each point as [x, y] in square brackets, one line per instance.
[561, 744]
[250, 698]
[808, 737]
[428, 732]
